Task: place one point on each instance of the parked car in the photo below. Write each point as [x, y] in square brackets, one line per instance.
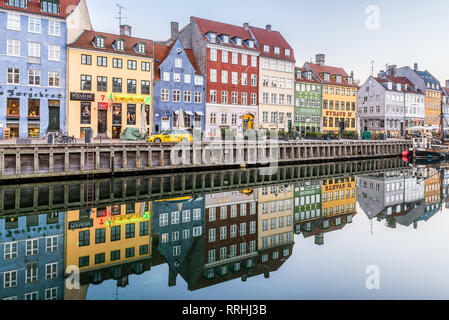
[172, 136]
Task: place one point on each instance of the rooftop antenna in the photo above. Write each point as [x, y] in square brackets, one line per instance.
[120, 16]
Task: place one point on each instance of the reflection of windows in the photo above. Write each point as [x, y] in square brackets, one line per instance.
[10, 279]
[115, 255]
[115, 233]
[10, 250]
[83, 261]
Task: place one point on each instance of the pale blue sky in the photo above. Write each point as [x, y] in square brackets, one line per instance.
[410, 30]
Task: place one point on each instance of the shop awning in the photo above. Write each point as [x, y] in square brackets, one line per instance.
[176, 112]
[190, 113]
[199, 113]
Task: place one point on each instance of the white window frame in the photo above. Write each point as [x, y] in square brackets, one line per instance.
[53, 247]
[13, 47]
[37, 23]
[54, 52]
[54, 26]
[51, 270]
[11, 254]
[10, 283]
[13, 21]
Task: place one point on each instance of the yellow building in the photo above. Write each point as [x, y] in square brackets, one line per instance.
[339, 197]
[432, 187]
[110, 81]
[275, 216]
[339, 105]
[107, 237]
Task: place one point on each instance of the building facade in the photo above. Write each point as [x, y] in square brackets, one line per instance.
[276, 79]
[445, 107]
[110, 84]
[339, 197]
[426, 83]
[308, 99]
[33, 63]
[32, 257]
[227, 55]
[339, 106]
[179, 101]
[307, 201]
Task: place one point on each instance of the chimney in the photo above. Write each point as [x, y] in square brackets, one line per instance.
[352, 74]
[268, 27]
[174, 30]
[416, 67]
[246, 26]
[125, 30]
[392, 70]
[447, 83]
[320, 59]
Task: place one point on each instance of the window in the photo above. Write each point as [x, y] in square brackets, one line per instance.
[13, 76]
[244, 60]
[10, 250]
[86, 82]
[34, 77]
[143, 249]
[224, 76]
[213, 75]
[115, 255]
[51, 270]
[117, 63]
[254, 61]
[51, 294]
[115, 233]
[176, 77]
[84, 238]
[132, 65]
[100, 236]
[266, 48]
[140, 48]
[132, 86]
[54, 52]
[130, 231]
[102, 84]
[224, 97]
[50, 6]
[143, 228]
[198, 80]
[165, 95]
[31, 296]
[129, 252]
[244, 98]
[253, 99]
[31, 271]
[234, 98]
[53, 79]
[34, 25]
[197, 214]
[176, 96]
[213, 54]
[235, 58]
[102, 61]
[13, 47]
[198, 97]
[187, 78]
[10, 279]
[176, 251]
[54, 28]
[254, 80]
[32, 247]
[86, 59]
[145, 87]
[13, 21]
[224, 56]
[211, 235]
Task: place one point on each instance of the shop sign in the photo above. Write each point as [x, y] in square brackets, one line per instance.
[82, 224]
[82, 96]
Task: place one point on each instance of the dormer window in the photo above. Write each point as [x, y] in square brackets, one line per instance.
[277, 50]
[99, 42]
[327, 77]
[49, 6]
[212, 37]
[309, 75]
[287, 52]
[298, 74]
[238, 41]
[266, 48]
[140, 48]
[338, 79]
[250, 43]
[350, 80]
[225, 38]
[18, 3]
[120, 45]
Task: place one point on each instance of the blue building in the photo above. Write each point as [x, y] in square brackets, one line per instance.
[176, 224]
[33, 66]
[179, 101]
[32, 257]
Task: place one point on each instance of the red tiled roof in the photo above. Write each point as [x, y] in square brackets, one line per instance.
[319, 70]
[161, 52]
[85, 41]
[65, 9]
[303, 79]
[223, 28]
[272, 39]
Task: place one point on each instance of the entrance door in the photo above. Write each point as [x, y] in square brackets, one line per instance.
[102, 121]
[53, 119]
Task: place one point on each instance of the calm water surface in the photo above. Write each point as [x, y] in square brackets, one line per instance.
[313, 239]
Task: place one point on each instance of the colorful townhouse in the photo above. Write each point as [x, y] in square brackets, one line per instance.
[276, 79]
[445, 106]
[105, 242]
[275, 223]
[307, 197]
[390, 105]
[227, 55]
[177, 224]
[308, 99]
[179, 101]
[339, 197]
[110, 84]
[339, 96]
[426, 83]
[32, 257]
[34, 63]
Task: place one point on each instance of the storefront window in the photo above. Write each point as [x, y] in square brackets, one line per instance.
[85, 112]
[83, 132]
[14, 130]
[117, 113]
[33, 131]
[33, 108]
[13, 108]
[131, 116]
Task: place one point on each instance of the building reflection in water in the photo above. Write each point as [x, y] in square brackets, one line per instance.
[206, 239]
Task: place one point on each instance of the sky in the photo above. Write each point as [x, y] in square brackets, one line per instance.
[351, 33]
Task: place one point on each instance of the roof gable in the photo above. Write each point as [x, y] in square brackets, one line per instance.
[272, 39]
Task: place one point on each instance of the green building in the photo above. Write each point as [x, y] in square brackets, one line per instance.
[308, 99]
[307, 195]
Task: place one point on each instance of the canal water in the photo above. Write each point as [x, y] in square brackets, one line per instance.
[382, 234]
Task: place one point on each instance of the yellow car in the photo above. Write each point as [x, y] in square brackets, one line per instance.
[172, 136]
